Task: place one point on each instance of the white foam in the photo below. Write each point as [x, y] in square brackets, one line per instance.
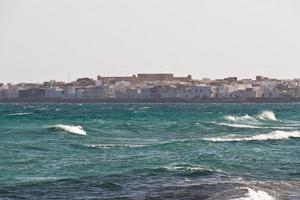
[238, 125]
[70, 129]
[19, 114]
[239, 118]
[187, 168]
[144, 108]
[275, 135]
[267, 115]
[104, 146]
[264, 115]
[255, 127]
[256, 195]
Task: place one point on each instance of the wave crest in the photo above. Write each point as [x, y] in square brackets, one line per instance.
[275, 135]
[267, 115]
[239, 118]
[256, 195]
[69, 129]
[105, 146]
[20, 113]
[238, 125]
[264, 115]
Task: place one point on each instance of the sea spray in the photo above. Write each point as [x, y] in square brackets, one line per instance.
[267, 115]
[69, 129]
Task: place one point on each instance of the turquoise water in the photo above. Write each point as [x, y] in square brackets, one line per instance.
[150, 151]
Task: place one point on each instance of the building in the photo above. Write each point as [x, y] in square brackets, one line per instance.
[161, 77]
[84, 82]
[54, 93]
[9, 93]
[112, 80]
[32, 93]
[197, 91]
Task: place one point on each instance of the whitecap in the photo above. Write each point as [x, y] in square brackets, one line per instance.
[256, 195]
[19, 114]
[69, 129]
[255, 127]
[184, 167]
[275, 135]
[144, 108]
[267, 115]
[238, 125]
[105, 146]
[238, 118]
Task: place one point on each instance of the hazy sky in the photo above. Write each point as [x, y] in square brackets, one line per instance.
[47, 39]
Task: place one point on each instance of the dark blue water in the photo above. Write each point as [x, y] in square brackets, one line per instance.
[150, 151]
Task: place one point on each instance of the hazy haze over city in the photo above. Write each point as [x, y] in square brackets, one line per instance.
[43, 40]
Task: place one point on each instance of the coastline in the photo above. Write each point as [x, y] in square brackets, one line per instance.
[154, 100]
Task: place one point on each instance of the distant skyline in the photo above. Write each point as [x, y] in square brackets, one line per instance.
[44, 40]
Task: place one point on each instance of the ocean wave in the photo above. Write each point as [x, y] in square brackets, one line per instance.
[275, 135]
[190, 169]
[104, 146]
[186, 168]
[238, 125]
[267, 115]
[179, 169]
[239, 118]
[264, 115]
[69, 129]
[41, 109]
[255, 126]
[256, 195]
[19, 114]
[144, 108]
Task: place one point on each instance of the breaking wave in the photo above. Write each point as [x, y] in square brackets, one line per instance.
[267, 115]
[105, 146]
[180, 169]
[275, 135]
[238, 118]
[264, 115]
[19, 114]
[250, 126]
[69, 129]
[238, 125]
[144, 108]
[186, 168]
[256, 195]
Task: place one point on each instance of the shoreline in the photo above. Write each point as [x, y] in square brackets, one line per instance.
[153, 100]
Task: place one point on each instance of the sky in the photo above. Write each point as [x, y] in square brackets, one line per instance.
[68, 39]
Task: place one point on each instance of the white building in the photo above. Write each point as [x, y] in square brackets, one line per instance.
[197, 91]
[70, 92]
[53, 93]
[98, 92]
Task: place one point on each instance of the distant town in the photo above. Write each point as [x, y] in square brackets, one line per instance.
[154, 88]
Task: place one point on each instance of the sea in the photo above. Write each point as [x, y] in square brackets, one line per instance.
[150, 151]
